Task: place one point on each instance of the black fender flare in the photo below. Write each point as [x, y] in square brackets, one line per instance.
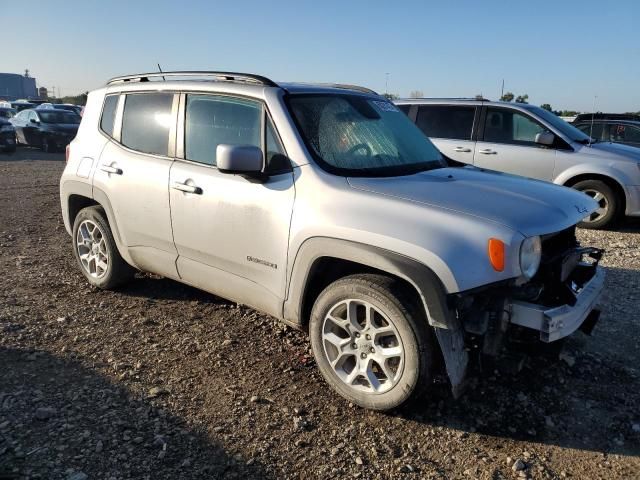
[447, 326]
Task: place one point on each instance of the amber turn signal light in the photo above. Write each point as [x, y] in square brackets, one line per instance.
[496, 254]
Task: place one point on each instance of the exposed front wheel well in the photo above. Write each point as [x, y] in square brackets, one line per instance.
[617, 188]
[327, 270]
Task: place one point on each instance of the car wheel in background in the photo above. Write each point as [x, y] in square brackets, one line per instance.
[96, 251]
[371, 341]
[608, 203]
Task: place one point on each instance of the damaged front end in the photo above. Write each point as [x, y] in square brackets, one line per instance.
[558, 300]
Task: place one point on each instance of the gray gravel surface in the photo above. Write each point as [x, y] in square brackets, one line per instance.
[159, 380]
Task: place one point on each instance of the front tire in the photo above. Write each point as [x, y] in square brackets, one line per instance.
[608, 204]
[96, 252]
[371, 341]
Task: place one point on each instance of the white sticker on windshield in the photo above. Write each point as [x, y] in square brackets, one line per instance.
[385, 106]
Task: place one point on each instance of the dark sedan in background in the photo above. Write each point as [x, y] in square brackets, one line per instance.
[48, 129]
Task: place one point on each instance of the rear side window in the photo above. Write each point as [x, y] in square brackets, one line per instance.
[509, 126]
[443, 121]
[109, 114]
[624, 133]
[214, 120]
[146, 122]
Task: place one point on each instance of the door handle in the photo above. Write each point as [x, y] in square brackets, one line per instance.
[462, 149]
[110, 169]
[183, 187]
[487, 151]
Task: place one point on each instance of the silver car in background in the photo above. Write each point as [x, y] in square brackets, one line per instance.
[527, 140]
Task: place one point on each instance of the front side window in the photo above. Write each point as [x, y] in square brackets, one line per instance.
[444, 121]
[361, 136]
[109, 114]
[509, 126]
[215, 120]
[276, 159]
[146, 122]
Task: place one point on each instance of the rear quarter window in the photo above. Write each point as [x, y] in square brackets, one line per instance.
[109, 114]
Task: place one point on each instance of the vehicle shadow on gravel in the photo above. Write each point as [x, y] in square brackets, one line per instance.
[59, 417]
[152, 287]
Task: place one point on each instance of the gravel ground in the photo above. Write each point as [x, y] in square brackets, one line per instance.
[159, 380]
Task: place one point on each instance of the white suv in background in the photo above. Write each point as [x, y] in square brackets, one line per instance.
[526, 140]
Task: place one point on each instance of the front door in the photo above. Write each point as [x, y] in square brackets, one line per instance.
[231, 232]
[507, 144]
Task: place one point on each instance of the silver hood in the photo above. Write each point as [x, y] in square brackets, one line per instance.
[530, 207]
[613, 150]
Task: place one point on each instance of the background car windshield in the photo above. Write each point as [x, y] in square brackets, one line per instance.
[563, 127]
[7, 113]
[356, 135]
[58, 117]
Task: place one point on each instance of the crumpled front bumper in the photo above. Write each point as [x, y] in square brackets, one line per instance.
[558, 322]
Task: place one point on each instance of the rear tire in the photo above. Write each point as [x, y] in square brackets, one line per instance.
[96, 252]
[608, 201]
[372, 342]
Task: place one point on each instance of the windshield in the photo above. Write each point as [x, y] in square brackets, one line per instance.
[59, 116]
[563, 127]
[362, 136]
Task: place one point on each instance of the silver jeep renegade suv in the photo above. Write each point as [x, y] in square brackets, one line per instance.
[326, 207]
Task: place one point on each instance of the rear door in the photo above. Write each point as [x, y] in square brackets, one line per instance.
[506, 143]
[231, 232]
[450, 128]
[133, 174]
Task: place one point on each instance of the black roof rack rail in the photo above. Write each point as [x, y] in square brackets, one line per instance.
[225, 76]
[479, 98]
[345, 86]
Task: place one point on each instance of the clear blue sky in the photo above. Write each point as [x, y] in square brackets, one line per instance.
[559, 52]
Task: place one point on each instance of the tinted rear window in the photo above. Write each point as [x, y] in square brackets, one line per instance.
[109, 114]
[441, 121]
[146, 122]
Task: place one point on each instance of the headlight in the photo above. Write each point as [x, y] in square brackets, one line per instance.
[6, 128]
[530, 254]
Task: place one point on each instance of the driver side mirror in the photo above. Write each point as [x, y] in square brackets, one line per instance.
[240, 159]
[33, 120]
[545, 138]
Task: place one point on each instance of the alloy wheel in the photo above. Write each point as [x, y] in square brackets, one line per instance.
[363, 346]
[92, 249]
[603, 205]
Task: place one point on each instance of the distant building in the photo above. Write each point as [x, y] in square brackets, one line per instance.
[43, 92]
[14, 86]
